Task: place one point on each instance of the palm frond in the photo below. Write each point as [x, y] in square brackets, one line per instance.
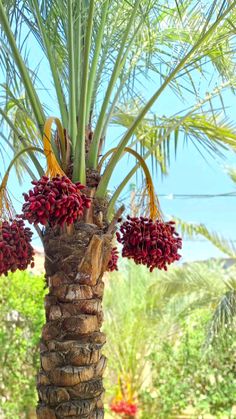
[223, 318]
[178, 32]
[193, 230]
[196, 278]
[20, 130]
[213, 133]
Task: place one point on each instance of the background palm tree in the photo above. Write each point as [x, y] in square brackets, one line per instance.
[98, 55]
[159, 307]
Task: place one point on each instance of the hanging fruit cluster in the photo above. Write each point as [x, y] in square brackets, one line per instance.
[57, 201]
[112, 264]
[16, 251]
[148, 242]
[124, 408]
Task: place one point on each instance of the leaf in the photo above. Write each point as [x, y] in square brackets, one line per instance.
[193, 230]
[223, 318]
[205, 130]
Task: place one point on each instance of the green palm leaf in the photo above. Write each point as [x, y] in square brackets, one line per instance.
[213, 133]
[193, 230]
[223, 317]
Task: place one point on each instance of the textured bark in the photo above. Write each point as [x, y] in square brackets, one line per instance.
[70, 379]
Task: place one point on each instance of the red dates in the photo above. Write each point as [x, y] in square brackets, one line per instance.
[16, 251]
[55, 202]
[112, 264]
[148, 242]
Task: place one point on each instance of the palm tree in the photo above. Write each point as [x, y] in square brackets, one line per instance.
[98, 54]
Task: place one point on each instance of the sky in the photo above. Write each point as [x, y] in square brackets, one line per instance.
[189, 174]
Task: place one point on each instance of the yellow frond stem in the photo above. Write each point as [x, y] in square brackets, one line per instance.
[6, 207]
[154, 205]
[53, 167]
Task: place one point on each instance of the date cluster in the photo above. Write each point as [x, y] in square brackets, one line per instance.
[153, 243]
[16, 251]
[57, 201]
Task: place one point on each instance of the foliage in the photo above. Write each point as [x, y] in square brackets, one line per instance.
[21, 320]
[126, 307]
[184, 376]
[163, 323]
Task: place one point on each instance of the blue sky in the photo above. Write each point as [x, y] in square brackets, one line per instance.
[188, 174]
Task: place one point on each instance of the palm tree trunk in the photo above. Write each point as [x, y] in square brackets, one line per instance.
[70, 380]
